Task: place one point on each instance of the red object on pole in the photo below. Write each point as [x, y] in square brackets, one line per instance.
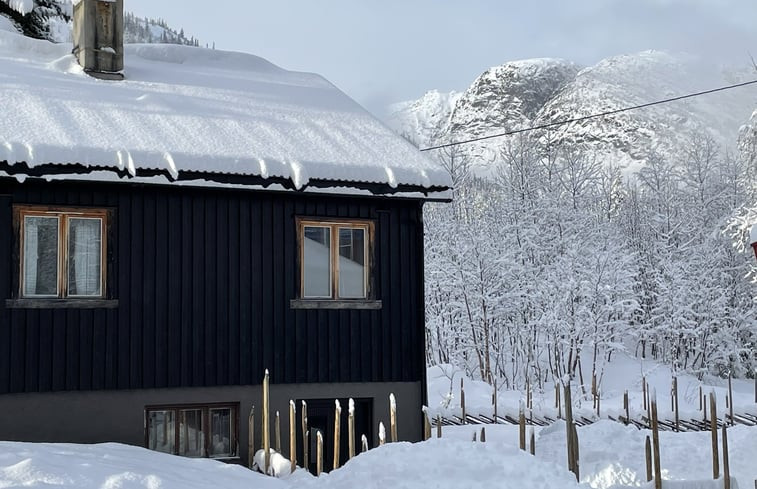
[754, 245]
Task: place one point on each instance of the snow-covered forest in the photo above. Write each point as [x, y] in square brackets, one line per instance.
[556, 252]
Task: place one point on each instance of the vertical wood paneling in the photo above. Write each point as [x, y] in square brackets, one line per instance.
[204, 278]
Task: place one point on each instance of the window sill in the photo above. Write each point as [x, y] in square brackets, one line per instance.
[61, 303]
[334, 304]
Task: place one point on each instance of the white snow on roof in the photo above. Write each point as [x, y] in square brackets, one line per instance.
[191, 109]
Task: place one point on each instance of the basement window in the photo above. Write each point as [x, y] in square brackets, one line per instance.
[193, 430]
[335, 264]
[62, 252]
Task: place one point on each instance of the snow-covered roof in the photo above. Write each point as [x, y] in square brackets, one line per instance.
[191, 113]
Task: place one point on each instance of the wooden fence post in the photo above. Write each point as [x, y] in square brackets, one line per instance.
[439, 426]
[426, 424]
[626, 406]
[714, 430]
[318, 452]
[730, 397]
[364, 443]
[494, 400]
[305, 436]
[675, 403]
[251, 437]
[337, 433]
[462, 400]
[382, 433]
[266, 427]
[277, 433]
[292, 435]
[648, 457]
[532, 444]
[576, 452]
[594, 390]
[726, 464]
[599, 400]
[571, 433]
[656, 445]
[644, 392]
[393, 417]
[522, 427]
[483, 434]
[557, 400]
[701, 404]
[351, 429]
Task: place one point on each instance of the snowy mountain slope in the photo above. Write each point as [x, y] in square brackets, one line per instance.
[525, 93]
[420, 120]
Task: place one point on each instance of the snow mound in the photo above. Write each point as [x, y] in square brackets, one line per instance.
[185, 110]
[112, 465]
[445, 463]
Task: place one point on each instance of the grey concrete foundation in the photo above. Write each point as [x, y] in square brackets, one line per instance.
[118, 416]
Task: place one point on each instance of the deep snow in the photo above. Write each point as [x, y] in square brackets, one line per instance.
[185, 109]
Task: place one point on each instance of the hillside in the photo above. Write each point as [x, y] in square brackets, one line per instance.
[51, 20]
[530, 92]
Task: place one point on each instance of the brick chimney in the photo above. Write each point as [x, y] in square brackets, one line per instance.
[99, 37]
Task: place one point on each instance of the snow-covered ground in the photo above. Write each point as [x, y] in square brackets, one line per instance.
[612, 455]
[623, 373]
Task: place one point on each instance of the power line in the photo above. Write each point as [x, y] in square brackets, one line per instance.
[591, 116]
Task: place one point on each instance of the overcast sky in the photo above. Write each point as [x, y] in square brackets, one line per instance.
[383, 51]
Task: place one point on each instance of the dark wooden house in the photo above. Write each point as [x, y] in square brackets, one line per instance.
[166, 238]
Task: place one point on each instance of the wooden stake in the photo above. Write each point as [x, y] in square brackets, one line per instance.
[364, 443]
[714, 430]
[594, 389]
[382, 433]
[529, 405]
[570, 433]
[266, 427]
[392, 417]
[251, 437]
[522, 428]
[675, 403]
[532, 442]
[462, 400]
[598, 402]
[701, 404]
[626, 407]
[318, 452]
[483, 434]
[576, 452]
[351, 429]
[439, 426]
[292, 435]
[494, 400]
[337, 433]
[305, 436]
[644, 391]
[726, 464]
[648, 458]
[474, 436]
[277, 433]
[656, 446]
[730, 397]
[426, 424]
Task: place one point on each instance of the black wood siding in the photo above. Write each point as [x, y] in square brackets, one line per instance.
[204, 278]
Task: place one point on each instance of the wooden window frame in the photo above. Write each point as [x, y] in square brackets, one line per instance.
[334, 301]
[62, 299]
[205, 409]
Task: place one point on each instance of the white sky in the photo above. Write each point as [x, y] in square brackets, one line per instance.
[384, 51]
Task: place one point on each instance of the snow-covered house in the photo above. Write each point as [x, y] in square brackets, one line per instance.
[166, 238]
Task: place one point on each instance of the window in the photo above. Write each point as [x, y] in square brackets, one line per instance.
[335, 262]
[193, 430]
[61, 253]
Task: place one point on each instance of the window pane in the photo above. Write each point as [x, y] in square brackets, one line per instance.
[161, 434]
[221, 430]
[191, 439]
[316, 266]
[84, 256]
[40, 256]
[352, 263]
